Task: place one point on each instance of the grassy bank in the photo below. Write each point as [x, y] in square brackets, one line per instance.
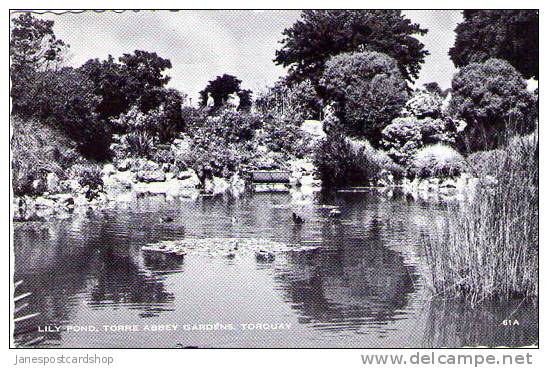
[490, 245]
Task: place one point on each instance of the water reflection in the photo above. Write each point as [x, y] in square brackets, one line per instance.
[89, 268]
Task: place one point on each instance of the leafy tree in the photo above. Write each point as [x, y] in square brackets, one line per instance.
[512, 35]
[110, 81]
[220, 88]
[366, 90]
[320, 34]
[33, 48]
[33, 44]
[127, 82]
[493, 99]
[245, 99]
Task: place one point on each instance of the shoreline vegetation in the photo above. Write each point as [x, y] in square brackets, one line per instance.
[111, 130]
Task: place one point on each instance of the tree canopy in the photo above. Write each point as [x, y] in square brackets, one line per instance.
[33, 44]
[320, 34]
[512, 35]
[366, 90]
[221, 88]
[127, 82]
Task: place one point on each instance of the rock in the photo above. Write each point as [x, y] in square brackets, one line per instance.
[216, 185]
[449, 184]
[53, 184]
[71, 185]
[150, 176]
[489, 180]
[314, 128]
[140, 164]
[237, 184]
[309, 180]
[303, 166]
[44, 202]
[166, 167]
[120, 181]
[172, 187]
[39, 186]
[108, 170]
[186, 174]
[123, 165]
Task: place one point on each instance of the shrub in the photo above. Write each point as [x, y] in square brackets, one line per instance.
[342, 161]
[299, 101]
[488, 249]
[438, 161]
[493, 99]
[367, 90]
[406, 135]
[90, 178]
[36, 150]
[423, 104]
[193, 118]
[282, 135]
[160, 123]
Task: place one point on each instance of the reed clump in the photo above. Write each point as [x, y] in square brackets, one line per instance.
[488, 249]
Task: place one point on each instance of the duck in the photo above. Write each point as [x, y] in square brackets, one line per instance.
[334, 213]
[297, 219]
[166, 219]
[264, 256]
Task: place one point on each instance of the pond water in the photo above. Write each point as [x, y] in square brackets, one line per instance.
[361, 288]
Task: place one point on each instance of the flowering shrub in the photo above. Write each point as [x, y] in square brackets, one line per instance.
[423, 104]
[438, 161]
[158, 123]
[422, 123]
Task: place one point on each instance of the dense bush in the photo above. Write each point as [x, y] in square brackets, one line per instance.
[223, 143]
[90, 178]
[232, 126]
[493, 99]
[423, 104]
[367, 91]
[64, 99]
[342, 161]
[36, 150]
[422, 123]
[406, 135]
[438, 161]
[282, 135]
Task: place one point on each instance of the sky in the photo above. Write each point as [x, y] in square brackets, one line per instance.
[204, 44]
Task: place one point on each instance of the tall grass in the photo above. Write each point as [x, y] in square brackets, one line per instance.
[489, 249]
[36, 150]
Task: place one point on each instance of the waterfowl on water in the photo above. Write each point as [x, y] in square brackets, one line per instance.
[166, 219]
[334, 213]
[264, 256]
[297, 219]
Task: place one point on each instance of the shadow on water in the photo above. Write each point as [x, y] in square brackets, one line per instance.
[363, 278]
